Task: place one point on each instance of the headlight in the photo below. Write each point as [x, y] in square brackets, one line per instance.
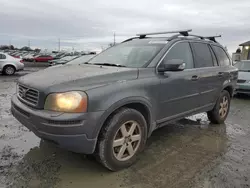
[73, 101]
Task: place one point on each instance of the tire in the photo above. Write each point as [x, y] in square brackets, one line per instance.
[107, 154]
[221, 109]
[9, 70]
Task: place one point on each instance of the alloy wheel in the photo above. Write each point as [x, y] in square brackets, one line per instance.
[127, 141]
[9, 70]
[223, 107]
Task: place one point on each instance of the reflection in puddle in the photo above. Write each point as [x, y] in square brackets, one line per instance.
[180, 149]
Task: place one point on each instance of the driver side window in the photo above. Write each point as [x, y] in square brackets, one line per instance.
[181, 51]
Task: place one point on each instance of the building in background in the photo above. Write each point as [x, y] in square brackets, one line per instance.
[243, 53]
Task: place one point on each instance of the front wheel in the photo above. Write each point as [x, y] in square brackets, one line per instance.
[221, 109]
[122, 139]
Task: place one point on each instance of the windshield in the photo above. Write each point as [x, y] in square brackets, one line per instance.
[243, 65]
[135, 53]
[82, 59]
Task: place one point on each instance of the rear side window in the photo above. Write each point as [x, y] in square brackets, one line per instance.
[221, 55]
[202, 55]
[2, 56]
[181, 51]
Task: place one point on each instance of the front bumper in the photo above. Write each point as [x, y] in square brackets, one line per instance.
[74, 132]
[243, 88]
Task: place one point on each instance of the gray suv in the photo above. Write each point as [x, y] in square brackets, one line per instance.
[111, 104]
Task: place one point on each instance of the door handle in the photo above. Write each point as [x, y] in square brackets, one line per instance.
[194, 78]
[220, 74]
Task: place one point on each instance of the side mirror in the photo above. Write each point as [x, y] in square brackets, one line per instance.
[172, 65]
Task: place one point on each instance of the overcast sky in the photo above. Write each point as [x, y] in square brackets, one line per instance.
[90, 24]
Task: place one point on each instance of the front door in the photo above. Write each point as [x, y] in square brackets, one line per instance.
[179, 90]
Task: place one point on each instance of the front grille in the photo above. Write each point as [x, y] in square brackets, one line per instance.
[241, 81]
[28, 95]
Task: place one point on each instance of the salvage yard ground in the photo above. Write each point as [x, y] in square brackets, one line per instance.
[188, 153]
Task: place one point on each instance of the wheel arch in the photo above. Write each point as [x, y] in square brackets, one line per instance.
[5, 65]
[138, 103]
[230, 89]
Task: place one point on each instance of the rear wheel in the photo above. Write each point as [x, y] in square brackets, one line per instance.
[122, 139]
[9, 70]
[219, 114]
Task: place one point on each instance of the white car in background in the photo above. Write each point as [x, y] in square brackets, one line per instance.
[9, 65]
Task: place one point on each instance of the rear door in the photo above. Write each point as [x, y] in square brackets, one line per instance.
[209, 80]
[227, 73]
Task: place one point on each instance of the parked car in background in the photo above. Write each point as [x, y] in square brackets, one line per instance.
[29, 57]
[77, 60]
[62, 60]
[15, 54]
[81, 59]
[59, 56]
[110, 106]
[42, 58]
[9, 65]
[243, 83]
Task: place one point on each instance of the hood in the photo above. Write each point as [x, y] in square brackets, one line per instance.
[77, 76]
[244, 75]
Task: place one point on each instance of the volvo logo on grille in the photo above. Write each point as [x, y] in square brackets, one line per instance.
[23, 93]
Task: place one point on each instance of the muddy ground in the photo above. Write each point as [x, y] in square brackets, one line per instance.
[188, 153]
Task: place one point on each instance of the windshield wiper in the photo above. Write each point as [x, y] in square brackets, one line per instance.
[109, 64]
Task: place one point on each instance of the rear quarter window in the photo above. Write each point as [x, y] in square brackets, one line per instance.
[221, 55]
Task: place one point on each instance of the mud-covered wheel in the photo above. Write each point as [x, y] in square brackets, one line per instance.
[219, 114]
[9, 70]
[122, 139]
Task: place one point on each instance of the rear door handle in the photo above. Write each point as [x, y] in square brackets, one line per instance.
[194, 78]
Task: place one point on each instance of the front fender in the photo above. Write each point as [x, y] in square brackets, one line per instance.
[111, 97]
[124, 102]
[231, 84]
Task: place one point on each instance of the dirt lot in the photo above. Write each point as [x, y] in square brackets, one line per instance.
[188, 153]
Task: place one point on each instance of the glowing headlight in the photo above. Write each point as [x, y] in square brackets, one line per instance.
[73, 101]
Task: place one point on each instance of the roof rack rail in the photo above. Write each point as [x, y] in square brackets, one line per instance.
[184, 33]
[181, 32]
[130, 39]
[212, 38]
